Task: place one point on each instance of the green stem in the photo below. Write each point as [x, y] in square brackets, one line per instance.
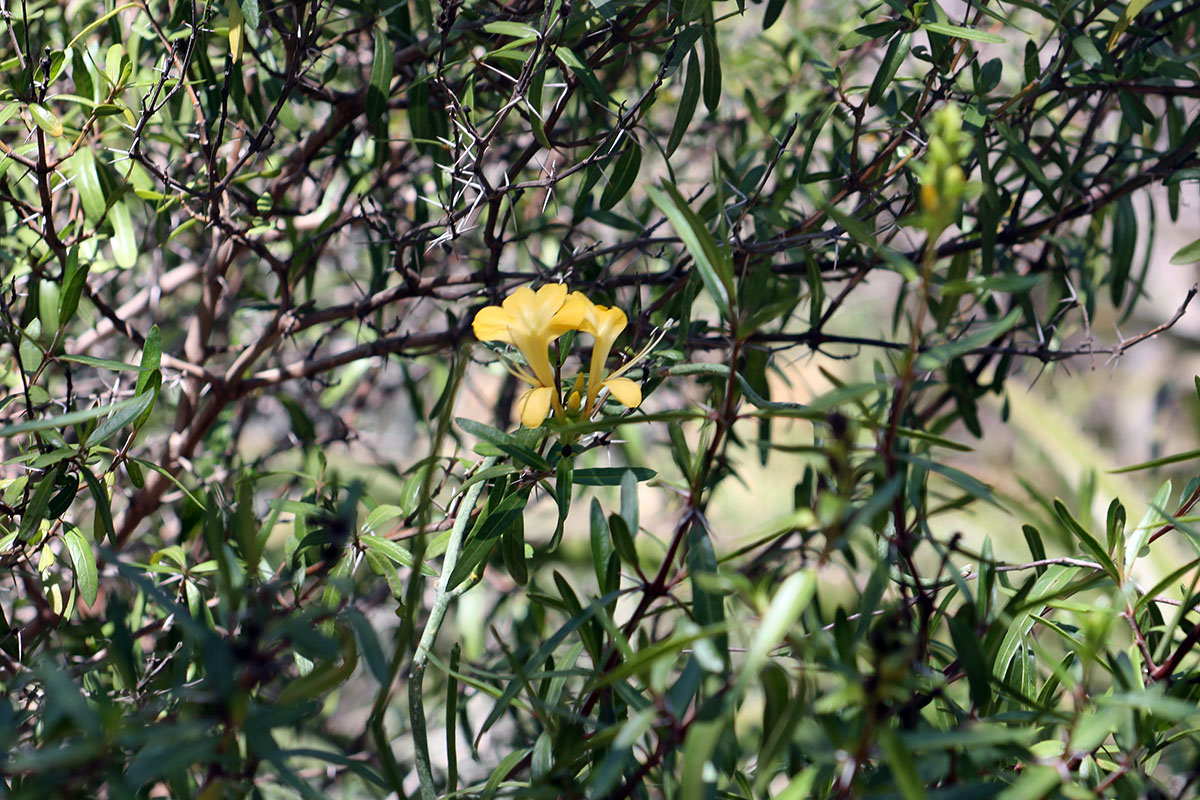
[441, 602]
[378, 728]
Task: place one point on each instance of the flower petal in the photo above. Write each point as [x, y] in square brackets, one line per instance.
[627, 393]
[572, 315]
[549, 299]
[608, 323]
[518, 301]
[534, 406]
[493, 324]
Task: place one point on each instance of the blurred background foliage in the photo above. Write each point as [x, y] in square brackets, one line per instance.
[914, 279]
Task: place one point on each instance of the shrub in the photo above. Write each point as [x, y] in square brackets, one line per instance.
[271, 527]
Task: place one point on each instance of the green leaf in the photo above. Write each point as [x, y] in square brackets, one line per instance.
[1153, 517]
[1187, 455]
[35, 510]
[516, 30]
[380, 84]
[1188, 254]
[112, 62]
[622, 540]
[166, 473]
[1092, 728]
[698, 747]
[896, 52]
[1087, 50]
[1131, 10]
[381, 514]
[694, 9]
[393, 552]
[786, 606]
[533, 97]
[609, 476]
[939, 355]
[629, 500]
[1036, 781]
[120, 417]
[713, 262]
[624, 173]
[506, 442]
[46, 120]
[64, 496]
[65, 420]
[602, 548]
[708, 601]
[74, 280]
[368, 643]
[324, 677]
[506, 765]
[85, 564]
[87, 183]
[103, 504]
[771, 14]
[28, 349]
[584, 73]
[1048, 584]
[564, 480]
[1123, 243]
[969, 648]
[124, 240]
[960, 32]
[151, 358]
[858, 230]
[1088, 541]
[483, 538]
[712, 69]
[250, 12]
[687, 103]
[904, 769]
[543, 652]
[512, 549]
[1033, 540]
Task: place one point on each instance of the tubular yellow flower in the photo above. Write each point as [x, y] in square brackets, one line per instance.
[605, 325]
[530, 321]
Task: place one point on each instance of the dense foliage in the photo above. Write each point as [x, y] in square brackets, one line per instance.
[270, 524]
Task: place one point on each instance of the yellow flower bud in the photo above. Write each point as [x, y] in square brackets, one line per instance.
[929, 199]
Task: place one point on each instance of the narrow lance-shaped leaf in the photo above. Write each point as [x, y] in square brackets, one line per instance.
[87, 183]
[237, 32]
[713, 262]
[687, 103]
[103, 505]
[1138, 536]
[1086, 539]
[85, 564]
[122, 416]
[601, 543]
[712, 68]
[380, 85]
[960, 32]
[1188, 254]
[892, 59]
[39, 501]
[624, 172]
[789, 602]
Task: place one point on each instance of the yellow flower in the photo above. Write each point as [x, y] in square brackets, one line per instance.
[605, 325]
[530, 321]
